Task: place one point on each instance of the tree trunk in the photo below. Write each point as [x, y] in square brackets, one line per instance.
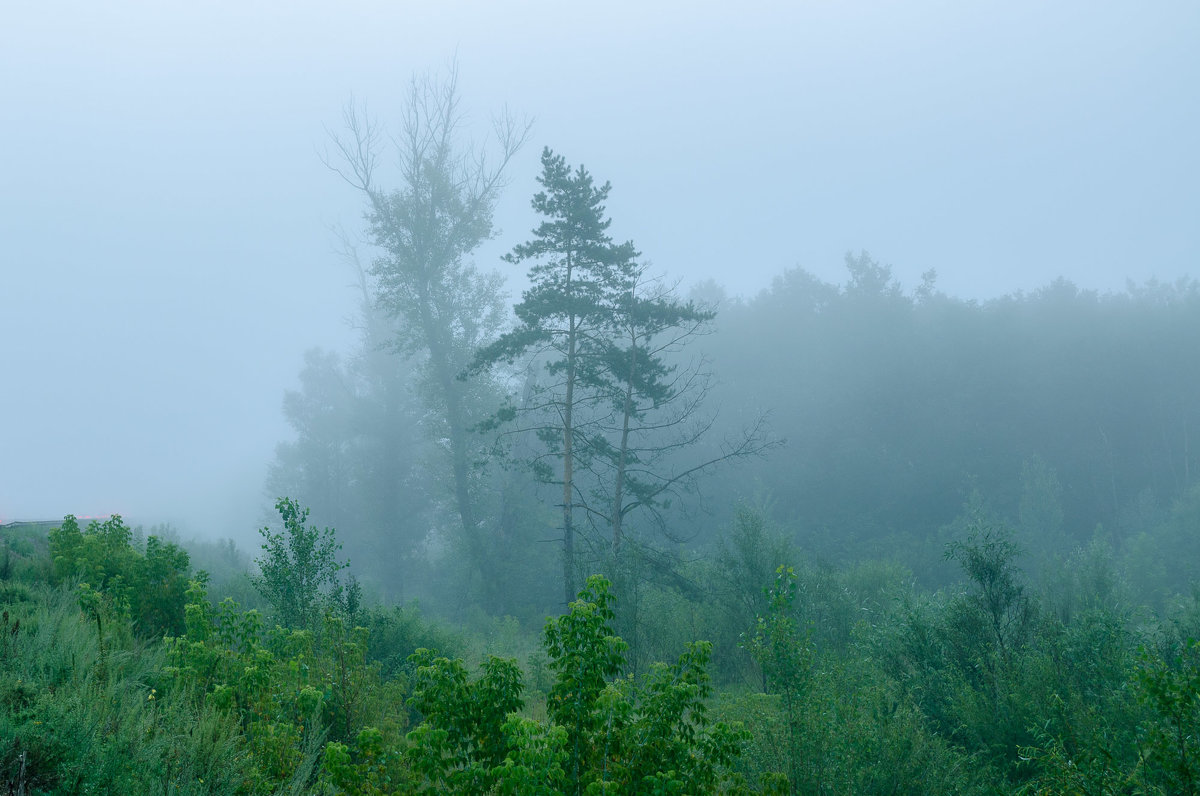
[622, 452]
[568, 452]
[439, 357]
[568, 474]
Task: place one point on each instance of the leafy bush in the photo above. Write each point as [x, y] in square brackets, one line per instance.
[298, 571]
[606, 734]
[148, 587]
[77, 716]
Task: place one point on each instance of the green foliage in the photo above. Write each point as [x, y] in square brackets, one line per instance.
[223, 662]
[870, 686]
[351, 682]
[785, 656]
[534, 766]
[462, 738]
[370, 767]
[661, 733]
[971, 661]
[1089, 771]
[81, 717]
[584, 654]
[605, 734]
[1171, 743]
[857, 735]
[1161, 755]
[396, 632]
[116, 578]
[620, 735]
[777, 644]
[1042, 701]
[287, 689]
[997, 610]
[299, 568]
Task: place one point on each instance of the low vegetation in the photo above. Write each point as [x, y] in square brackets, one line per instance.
[121, 673]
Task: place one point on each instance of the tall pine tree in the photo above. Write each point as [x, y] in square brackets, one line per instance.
[579, 279]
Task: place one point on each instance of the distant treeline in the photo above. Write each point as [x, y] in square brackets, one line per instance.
[1057, 411]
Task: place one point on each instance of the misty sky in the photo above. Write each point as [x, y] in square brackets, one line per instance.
[165, 246]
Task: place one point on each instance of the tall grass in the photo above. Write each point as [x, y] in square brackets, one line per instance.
[96, 715]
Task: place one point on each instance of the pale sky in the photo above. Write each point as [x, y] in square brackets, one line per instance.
[165, 252]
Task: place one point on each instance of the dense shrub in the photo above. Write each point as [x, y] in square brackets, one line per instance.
[148, 587]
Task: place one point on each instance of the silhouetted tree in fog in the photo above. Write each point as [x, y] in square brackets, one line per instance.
[617, 412]
[425, 228]
[577, 278]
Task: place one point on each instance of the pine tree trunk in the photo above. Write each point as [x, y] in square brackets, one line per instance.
[568, 474]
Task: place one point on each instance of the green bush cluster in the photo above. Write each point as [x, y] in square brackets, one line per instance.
[604, 733]
[289, 690]
[233, 704]
[298, 571]
[833, 681]
[148, 585]
[84, 714]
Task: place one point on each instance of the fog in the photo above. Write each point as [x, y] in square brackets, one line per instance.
[166, 253]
